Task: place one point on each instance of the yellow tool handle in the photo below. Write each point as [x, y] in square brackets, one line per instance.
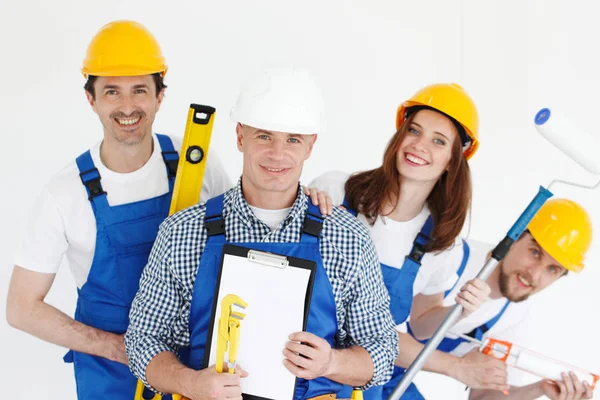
[356, 395]
[139, 392]
[188, 181]
[234, 341]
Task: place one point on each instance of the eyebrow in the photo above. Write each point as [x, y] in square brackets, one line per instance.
[439, 133]
[138, 86]
[535, 243]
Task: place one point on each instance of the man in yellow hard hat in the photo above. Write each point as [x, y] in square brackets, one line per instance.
[101, 213]
[555, 243]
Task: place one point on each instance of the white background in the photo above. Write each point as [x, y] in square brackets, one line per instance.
[512, 56]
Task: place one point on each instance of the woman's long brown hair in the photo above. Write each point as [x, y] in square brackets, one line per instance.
[449, 201]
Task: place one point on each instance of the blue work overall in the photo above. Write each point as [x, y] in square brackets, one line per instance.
[124, 238]
[322, 320]
[399, 283]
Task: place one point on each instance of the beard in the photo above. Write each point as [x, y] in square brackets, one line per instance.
[505, 285]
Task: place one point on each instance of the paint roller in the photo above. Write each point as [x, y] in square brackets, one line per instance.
[579, 146]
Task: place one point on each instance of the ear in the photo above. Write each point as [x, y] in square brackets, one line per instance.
[311, 143]
[159, 99]
[91, 100]
[239, 130]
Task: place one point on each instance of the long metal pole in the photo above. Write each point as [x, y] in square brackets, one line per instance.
[497, 255]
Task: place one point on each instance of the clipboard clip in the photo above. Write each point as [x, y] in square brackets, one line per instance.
[269, 259]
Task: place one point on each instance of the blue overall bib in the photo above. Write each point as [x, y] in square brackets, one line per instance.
[399, 283]
[322, 320]
[124, 238]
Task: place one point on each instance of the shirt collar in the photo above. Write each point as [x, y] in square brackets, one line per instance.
[242, 209]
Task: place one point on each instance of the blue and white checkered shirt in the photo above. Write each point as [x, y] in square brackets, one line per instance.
[161, 309]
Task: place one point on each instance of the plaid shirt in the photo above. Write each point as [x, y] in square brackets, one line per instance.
[160, 311]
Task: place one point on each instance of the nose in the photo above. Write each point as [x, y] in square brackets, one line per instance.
[536, 273]
[127, 105]
[419, 143]
[276, 150]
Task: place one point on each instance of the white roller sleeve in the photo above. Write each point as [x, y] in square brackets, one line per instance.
[580, 146]
[546, 367]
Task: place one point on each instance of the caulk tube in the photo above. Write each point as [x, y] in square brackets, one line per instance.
[546, 367]
[580, 146]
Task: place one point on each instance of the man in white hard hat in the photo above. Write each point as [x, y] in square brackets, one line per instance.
[350, 338]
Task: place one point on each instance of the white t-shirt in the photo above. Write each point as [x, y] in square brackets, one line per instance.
[508, 328]
[394, 240]
[271, 218]
[62, 223]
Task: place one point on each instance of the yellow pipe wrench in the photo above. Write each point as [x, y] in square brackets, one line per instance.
[190, 173]
[229, 332]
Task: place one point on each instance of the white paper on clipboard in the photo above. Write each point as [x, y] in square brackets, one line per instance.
[276, 300]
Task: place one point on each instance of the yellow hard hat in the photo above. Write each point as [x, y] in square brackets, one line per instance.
[123, 48]
[564, 230]
[452, 100]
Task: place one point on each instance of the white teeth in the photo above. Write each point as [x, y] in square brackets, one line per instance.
[523, 281]
[415, 160]
[273, 169]
[128, 121]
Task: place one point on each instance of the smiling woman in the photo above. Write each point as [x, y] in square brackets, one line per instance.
[421, 193]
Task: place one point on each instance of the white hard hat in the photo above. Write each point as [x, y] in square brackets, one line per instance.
[284, 99]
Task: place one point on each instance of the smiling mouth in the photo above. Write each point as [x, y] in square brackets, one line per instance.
[414, 160]
[275, 170]
[128, 122]
[523, 281]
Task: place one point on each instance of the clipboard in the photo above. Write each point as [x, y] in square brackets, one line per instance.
[278, 290]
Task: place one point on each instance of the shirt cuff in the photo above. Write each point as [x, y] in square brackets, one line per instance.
[383, 357]
[145, 350]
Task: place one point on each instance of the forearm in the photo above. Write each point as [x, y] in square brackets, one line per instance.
[352, 366]
[528, 392]
[52, 325]
[439, 362]
[425, 325]
[166, 374]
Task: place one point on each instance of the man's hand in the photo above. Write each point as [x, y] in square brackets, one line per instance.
[319, 198]
[570, 388]
[208, 384]
[472, 295]
[309, 359]
[480, 371]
